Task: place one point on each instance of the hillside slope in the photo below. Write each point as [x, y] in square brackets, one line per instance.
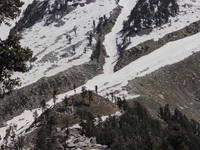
[176, 85]
[65, 55]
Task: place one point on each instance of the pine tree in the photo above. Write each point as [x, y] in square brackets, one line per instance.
[35, 115]
[144, 15]
[177, 137]
[96, 88]
[54, 96]
[13, 57]
[66, 101]
[83, 94]
[90, 39]
[98, 50]
[9, 10]
[90, 94]
[43, 105]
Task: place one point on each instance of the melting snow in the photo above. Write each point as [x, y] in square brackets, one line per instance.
[43, 40]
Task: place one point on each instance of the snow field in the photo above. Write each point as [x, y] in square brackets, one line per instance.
[51, 40]
[110, 39]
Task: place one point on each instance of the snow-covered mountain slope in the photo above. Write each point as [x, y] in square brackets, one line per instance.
[188, 13]
[56, 54]
[51, 47]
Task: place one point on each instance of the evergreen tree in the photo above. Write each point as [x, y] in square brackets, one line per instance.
[9, 10]
[43, 105]
[144, 15]
[177, 137]
[41, 143]
[98, 50]
[20, 142]
[13, 56]
[83, 94]
[54, 96]
[96, 88]
[66, 101]
[51, 121]
[35, 115]
[90, 39]
[74, 87]
[90, 94]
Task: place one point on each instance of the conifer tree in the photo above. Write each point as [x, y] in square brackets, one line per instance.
[66, 101]
[54, 96]
[13, 57]
[43, 105]
[96, 88]
[9, 10]
[90, 94]
[35, 115]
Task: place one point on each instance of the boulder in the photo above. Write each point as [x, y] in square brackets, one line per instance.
[93, 140]
[58, 130]
[97, 145]
[87, 142]
[104, 146]
[71, 145]
[80, 145]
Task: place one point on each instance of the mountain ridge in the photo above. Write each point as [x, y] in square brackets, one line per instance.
[53, 44]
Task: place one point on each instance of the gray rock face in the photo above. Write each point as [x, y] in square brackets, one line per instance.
[82, 142]
[80, 145]
[71, 145]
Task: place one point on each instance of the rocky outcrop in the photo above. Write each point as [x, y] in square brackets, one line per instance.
[82, 142]
[147, 47]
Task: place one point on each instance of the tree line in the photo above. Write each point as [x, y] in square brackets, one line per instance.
[146, 14]
[136, 129]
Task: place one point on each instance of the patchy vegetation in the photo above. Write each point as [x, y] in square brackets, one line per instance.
[53, 126]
